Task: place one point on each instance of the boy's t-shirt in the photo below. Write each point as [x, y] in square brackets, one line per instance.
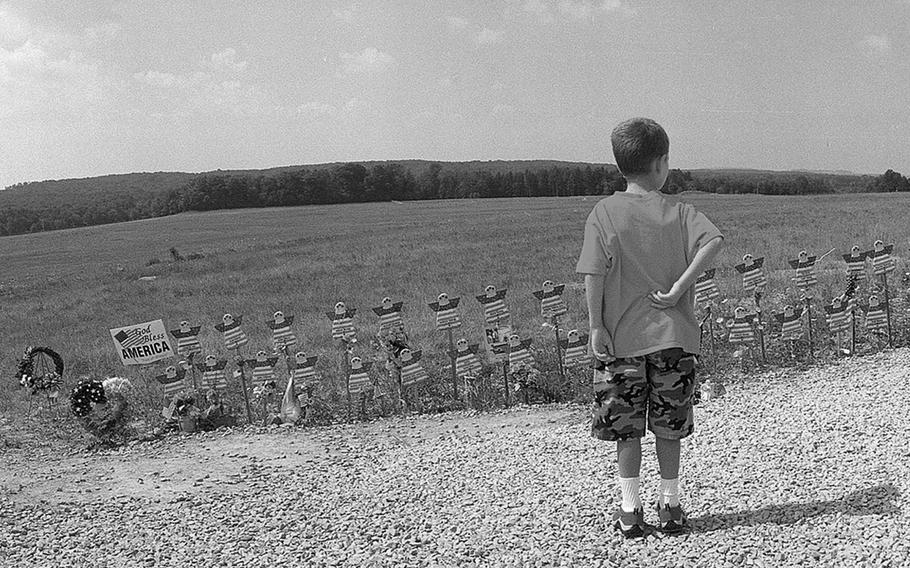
[640, 244]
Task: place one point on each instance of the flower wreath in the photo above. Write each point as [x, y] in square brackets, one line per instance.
[25, 372]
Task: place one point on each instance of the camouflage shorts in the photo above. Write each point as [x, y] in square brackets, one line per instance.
[659, 386]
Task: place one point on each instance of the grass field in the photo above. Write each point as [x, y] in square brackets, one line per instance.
[66, 289]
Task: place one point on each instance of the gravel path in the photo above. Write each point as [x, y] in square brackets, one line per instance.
[789, 468]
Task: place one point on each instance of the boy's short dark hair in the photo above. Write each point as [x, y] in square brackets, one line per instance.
[637, 142]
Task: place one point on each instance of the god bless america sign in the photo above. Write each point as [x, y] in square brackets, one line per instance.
[142, 343]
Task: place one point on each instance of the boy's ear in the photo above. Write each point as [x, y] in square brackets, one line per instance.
[661, 162]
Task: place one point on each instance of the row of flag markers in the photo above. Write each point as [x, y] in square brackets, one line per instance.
[839, 314]
[510, 348]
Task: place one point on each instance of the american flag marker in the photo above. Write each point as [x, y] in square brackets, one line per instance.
[412, 371]
[754, 278]
[447, 319]
[263, 376]
[576, 348]
[791, 326]
[466, 360]
[856, 263]
[282, 336]
[389, 313]
[705, 288]
[342, 321]
[235, 338]
[173, 382]
[550, 296]
[551, 307]
[804, 265]
[213, 376]
[838, 317]
[494, 305]
[882, 264]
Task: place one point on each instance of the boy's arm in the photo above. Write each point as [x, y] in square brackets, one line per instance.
[704, 258]
[601, 342]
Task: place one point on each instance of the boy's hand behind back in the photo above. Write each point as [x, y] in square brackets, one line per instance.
[663, 300]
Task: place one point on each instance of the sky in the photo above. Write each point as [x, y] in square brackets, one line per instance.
[96, 87]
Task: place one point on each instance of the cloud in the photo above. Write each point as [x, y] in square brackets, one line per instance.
[14, 30]
[46, 73]
[227, 60]
[103, 32]
[346, 14]
[547, 12]
[156, 78]
[370, 60]
[488, 36]
[202, 91]
[456, 22]
[504, 110]
[214, 87]
[875, 45]
[316, 109]
[540, 9]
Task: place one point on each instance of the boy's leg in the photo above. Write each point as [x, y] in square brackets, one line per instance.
[628, 457]
[619, 414]
[668, 459]
[671, 376]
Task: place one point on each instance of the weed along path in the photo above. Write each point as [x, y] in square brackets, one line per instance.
[792, 467]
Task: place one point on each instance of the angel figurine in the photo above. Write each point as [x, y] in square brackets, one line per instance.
[518, 352]
[741, 331]
[342, 321]
[550, 296]
[754, 278]
[876, 314]
[494, 305]
[705, 288]
[466, 360]
[882, 261]
[856, 263]
[213, 376]
[359, 379]
[282, 336]
[263, 369]
[412, 371]
[576, 347]
[791, 327]
[805, 270]
[234, 338]
[305, 368]
[838, 315]
[389, 315]
[187, 339]
[172, 380]
[446, 312]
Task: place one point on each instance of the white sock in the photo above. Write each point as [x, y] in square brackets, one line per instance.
[669, 492]
[630, 497]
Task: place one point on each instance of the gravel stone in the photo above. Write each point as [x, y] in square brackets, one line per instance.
[789, 468]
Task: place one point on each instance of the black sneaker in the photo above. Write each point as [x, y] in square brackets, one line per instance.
[631, 525]
[671, 520]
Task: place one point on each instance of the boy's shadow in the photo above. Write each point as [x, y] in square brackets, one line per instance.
[876, 500]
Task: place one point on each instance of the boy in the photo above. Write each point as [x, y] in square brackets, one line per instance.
[641, 256]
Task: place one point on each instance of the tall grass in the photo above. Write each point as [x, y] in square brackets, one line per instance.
[65, 289]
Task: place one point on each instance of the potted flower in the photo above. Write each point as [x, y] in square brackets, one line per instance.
[187, 412]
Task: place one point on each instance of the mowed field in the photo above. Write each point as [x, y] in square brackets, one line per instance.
[66, 289]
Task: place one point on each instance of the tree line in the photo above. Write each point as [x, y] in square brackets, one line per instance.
[358, 183]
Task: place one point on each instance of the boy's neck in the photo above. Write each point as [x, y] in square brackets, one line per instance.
[639, 187]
